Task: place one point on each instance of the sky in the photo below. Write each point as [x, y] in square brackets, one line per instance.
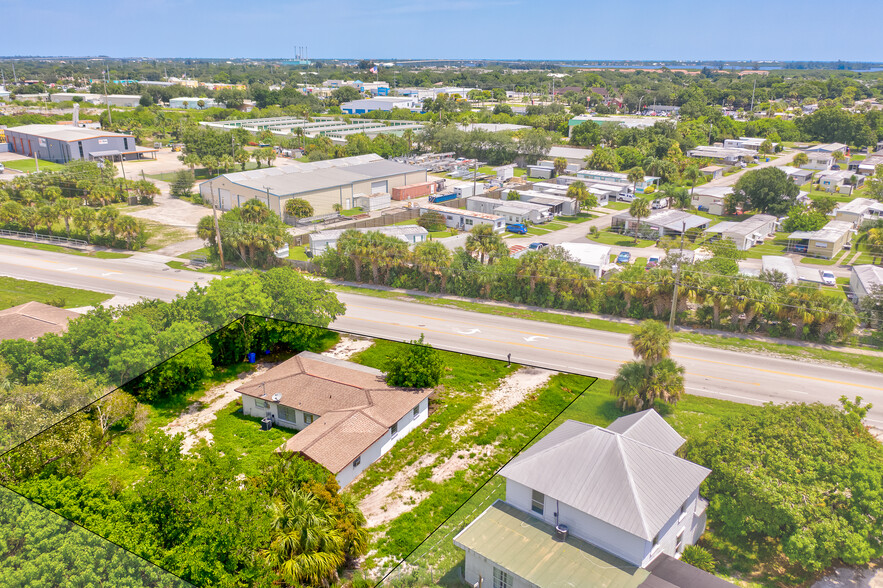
[812, 30]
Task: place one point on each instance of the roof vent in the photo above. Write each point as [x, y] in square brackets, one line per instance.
[277, 397]
[561, 533]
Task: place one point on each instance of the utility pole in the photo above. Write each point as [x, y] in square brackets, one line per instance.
[674, 296]
[752, 93]
[36, 162]
[106, 101]
[217, 228]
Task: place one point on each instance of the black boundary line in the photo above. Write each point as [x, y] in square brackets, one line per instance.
[116, 389]
[485, 483]
[340, 331]
[151, 564]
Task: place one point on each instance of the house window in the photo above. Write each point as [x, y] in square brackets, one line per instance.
[416, 410]
[260, 403]
[468, 221]
[537, 502]
[357, 461]
[502, 579]
[394, 430]
[287, 414]
[309, 418]
[679, 542]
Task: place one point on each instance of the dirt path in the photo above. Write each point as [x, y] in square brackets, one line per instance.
[348, 347]
[393, 497]
[515, 388]
[196, 416]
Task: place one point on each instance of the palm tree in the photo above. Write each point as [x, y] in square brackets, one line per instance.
[84, 217]
[651, 342]
[484, 241]
[226, 161]
[305, 546]
[628, 385]
[800, 159]
[692, 173]
[107, 219]
[433, 259]
[128, 228]
[64, 209]
[871, 235]
[639, 209]
[635, 175]
[242, 157]
[29, 218]
[191, 160]
[47, 216]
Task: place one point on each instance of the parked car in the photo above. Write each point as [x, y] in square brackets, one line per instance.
[625, 197]
[800, 248]
[624, 257]
[652, 262]
[516, 228]
[537, 246]
[828, 278]
[659, 203]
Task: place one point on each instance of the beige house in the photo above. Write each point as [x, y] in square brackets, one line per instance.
[711, 199]
[323, 183]
[858, 210]
[826, 242]
[713, 171]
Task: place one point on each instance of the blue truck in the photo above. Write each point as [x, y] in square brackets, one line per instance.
[516, 228]
[436, 198]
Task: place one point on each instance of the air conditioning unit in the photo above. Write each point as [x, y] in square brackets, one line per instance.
[561, 533]
[276, 397]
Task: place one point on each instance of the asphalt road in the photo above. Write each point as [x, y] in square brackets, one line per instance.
[717, 373]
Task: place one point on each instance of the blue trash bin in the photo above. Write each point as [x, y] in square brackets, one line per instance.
[252, 357]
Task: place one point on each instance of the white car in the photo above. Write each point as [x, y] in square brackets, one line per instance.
[828, 278]
[2, 168]
[625, 197]
[659, 203]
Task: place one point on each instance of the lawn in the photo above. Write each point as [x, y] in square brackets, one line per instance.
[579, 218]
[818, 261]
[237, 434]
[14, 292]
[204, 252]
[617, 205]
[536, 231]
[160, 235]
[298, 253]
[770, 247]
[60, 249]
[618, 240]
[29, 166]
[351, 212]
[554, 226]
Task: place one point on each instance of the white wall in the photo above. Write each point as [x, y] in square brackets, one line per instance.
[479, 566]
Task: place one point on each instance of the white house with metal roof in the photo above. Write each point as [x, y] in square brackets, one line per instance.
[595, 257]
[659, 223]
[864, 279]
[320, 241]
[618, 497]
[465, 220]
[747, 233]
[859, 210]
[822, 156]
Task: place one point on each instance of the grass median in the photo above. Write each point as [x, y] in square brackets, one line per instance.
[14, 292]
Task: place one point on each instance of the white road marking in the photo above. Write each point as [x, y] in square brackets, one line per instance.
[798, 392]
[534, 338]
[469, 332]
[111, 274]
[70, 269]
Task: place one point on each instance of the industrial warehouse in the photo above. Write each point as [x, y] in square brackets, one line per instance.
[64, 143]
[323, 183]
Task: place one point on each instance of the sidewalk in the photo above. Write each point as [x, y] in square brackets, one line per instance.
[610, 319]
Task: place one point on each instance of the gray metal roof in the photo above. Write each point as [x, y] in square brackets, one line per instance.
[831, 232]
[619, 480]
[648, 428]
[674, 220]
[868, 275]
[64, 132]
[745, 227]
[782, 264]
[321, 179]
[400, 231]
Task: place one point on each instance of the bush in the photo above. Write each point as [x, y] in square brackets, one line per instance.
[432, 221]
[419, 366]
[182, 183]
[698, 557]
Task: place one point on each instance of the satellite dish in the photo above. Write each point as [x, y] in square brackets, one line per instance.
[277, 397]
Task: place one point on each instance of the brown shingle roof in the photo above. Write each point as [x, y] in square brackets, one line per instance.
[32, 320]
[355, 405]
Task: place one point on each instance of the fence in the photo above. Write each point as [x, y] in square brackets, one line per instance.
[38, 238]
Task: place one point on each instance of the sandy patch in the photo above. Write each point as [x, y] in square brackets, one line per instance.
[516, 387]
[460, 461]
[199, 414]
[853, 578]
[393, 497]
[348, 347]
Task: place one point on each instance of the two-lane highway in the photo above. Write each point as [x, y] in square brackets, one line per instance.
[719, 373]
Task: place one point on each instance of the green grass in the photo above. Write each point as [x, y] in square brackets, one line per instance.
[351, 212]
[775, 246]
[14, 292]
[180, 265]
[28, 165]
[204, 252]
[160, 235]
[441, 234]
[241, 436]
[817, 261]
[579, 218]
[299, 253]
[618, 240]
[617, 205]
[536, 231]
[554, 226]
[60, 249]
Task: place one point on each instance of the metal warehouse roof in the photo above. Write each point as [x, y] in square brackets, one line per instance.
[64, 132]
[611, 476]
[524, 545]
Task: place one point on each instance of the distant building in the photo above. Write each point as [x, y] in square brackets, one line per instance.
[63, 143]
[465, 220]
[385, 103]
[727, 155]
[323, 240]
[842, 181]
[98, 99]
[608, 177]
[750, 143]
[513, 211]
[797, 175]
[821, 157]
[194, 103]
[859, 210]
[747, 233]
[711, 199]
[713, 171]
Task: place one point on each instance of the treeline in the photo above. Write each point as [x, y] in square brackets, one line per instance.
[496, 148]
[110, 347]
[74, 203]
[711, 293]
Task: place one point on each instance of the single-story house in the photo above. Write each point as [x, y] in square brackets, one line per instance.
[574, 155]
[346, 414]
[594, 257]
[728, 155]
[797, 175]
[713, 171]
[588, 506]
[410, 234]
[711, 199]
[750, 143]
[864, 279]
[32, 320]
[747, 233]
[465, 220]
[840, 181]
[659, 223]
[821, 157]
[558, 204]
[608, 177]
[826, 242]
[516, 211]
[859, 210]
[867, 166]
[786, 266]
